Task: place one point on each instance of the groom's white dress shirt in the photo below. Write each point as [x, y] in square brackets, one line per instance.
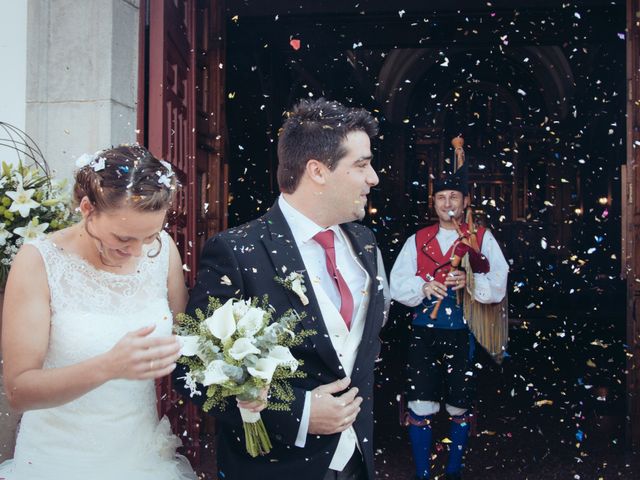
[345, 341]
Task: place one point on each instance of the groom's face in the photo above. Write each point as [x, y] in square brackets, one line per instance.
[350, 182]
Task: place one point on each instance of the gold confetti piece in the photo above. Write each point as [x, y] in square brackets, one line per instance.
[591, 364]
[540, 403]
[446, 440]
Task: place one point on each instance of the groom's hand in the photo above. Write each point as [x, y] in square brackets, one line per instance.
[333, 414]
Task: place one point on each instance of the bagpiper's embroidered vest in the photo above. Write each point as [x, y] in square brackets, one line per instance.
[433, 264]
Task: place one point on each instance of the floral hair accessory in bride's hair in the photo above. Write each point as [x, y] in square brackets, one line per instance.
[95, 161]
[165, 178]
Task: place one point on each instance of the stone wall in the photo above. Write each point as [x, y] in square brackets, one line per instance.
[82, 71]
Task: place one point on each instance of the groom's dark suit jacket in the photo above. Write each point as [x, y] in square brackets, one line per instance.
[250, 256]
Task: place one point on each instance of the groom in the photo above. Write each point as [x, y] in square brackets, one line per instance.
[324, 175]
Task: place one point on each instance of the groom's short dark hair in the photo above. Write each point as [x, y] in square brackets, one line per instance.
[316, 129]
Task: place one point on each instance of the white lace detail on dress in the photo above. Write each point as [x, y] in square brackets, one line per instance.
[112, 431]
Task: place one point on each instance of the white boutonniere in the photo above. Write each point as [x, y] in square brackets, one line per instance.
[295, 282]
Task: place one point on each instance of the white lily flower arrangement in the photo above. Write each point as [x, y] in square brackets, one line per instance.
[295, 282]
[31, 206]
[237, 349]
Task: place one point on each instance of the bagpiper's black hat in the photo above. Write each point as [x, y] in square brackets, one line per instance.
[458, 179]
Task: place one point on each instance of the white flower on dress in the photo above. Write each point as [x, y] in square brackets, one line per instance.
[33, 230]
[243, 347]
[22, 201]
[222, 324]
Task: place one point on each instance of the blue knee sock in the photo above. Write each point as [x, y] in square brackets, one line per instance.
[421, 445]
[459, 436]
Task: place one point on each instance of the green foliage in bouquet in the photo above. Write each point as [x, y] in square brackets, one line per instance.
[238, 349]
[32, 204]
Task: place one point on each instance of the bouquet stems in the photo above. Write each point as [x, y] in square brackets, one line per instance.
[255, 433]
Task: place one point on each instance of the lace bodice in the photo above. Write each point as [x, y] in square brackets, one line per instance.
[111, 432]
[92, 309]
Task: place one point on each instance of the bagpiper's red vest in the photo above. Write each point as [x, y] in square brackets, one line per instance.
[431, 260]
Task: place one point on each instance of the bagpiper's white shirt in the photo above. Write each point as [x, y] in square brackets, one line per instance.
[490, 287]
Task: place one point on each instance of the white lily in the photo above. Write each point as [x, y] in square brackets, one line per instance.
[33, 230]
[284, 357]
[22, 201]
[251, 322]
[4, 234]
[242, 347]
[213, 374]
[222, 324]
[188, 344]
[265, 367]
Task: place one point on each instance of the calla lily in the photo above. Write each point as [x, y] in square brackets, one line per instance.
[22, 201]
[240, 308]
[189, 344]
[264, 368]
[251, 322]
[284, 357]
[241, 348]
[214, 374]
[222, 324]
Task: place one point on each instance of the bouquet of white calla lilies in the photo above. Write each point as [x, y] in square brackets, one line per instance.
[243, 347]
[213, 374]
[222, 323]
[238, 349]
[251, 322]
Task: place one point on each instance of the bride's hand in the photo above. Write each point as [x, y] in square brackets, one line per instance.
[139, 357]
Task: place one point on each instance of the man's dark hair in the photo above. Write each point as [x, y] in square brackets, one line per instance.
[316, 129]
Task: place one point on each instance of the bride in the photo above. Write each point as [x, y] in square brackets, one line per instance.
[87, 329]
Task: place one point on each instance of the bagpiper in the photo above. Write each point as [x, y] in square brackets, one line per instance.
[454, 277]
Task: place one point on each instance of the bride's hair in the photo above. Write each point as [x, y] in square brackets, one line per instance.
[127, 175]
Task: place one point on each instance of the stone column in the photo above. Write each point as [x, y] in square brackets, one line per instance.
[82, 68]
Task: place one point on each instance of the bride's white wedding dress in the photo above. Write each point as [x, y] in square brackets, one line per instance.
[112, 432]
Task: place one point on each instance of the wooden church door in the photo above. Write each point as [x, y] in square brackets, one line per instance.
[181, 120]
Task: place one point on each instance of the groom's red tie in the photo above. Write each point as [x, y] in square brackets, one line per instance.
[326, 241]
